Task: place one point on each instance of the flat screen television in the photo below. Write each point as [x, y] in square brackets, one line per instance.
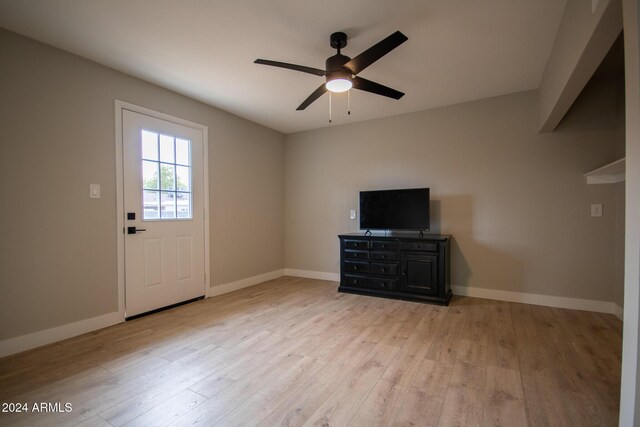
[406, 209]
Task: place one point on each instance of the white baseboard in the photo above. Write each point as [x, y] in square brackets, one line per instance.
[537, 299]
[618, 311]
[59, 333]
[244, 283]
[320, 275]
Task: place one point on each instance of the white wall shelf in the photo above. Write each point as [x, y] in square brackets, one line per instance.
[607, 174]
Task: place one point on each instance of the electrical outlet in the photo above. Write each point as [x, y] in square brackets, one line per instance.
[596, 209]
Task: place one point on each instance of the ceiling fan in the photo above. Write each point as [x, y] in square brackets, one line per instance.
[341, 71]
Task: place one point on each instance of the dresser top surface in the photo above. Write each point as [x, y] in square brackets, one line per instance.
[395, 236]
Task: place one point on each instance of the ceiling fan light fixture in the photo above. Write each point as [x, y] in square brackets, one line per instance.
[339, 81]
[339, 85]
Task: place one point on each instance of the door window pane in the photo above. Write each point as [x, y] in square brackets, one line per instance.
[150, 175]
[182, 152]
[167, 149]
[183, 178]
[151, 204]
[149, 145]
[167, 204]
[166, 177]
[183, 205]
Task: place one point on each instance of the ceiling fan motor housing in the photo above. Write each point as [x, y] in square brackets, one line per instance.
[335, 67]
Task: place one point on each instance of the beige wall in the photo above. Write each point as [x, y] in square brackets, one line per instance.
[515, 200]
[58, 247]
[600, 107]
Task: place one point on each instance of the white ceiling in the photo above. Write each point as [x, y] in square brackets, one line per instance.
[458, 50]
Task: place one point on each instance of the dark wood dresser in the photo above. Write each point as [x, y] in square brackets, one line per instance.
[396, 266]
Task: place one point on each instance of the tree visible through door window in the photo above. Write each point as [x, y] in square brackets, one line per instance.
[166, 176]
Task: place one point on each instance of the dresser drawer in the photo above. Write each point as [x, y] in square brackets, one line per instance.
[384, 245]
[419, 246]
[351, 254]
[355, 281]
[381, 268]
[356, 244]
[384, 256]
[383, 284]
[356, 267]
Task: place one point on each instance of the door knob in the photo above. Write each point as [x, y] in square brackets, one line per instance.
[133, 230]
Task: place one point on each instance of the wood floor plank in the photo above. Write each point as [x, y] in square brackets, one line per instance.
[293, 351]
[169, 411]
[425, 397]
[340, 406]
[504, 398]
[389, 394]
[224, 400]
[309, 394]
[462, 407]
[261, 403]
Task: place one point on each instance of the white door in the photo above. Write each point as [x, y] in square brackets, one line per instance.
[164, 213]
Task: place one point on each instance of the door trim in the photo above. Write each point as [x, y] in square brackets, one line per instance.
[119, 107]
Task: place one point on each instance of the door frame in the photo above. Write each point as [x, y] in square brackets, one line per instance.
[120, 106]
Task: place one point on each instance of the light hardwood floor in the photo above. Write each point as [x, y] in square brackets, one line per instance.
[295, 352]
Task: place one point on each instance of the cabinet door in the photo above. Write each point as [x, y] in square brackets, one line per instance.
[419, 273]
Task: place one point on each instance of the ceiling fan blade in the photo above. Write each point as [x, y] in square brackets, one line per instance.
[377, 88]
[310, 70]
[315, 95]
[375, 52]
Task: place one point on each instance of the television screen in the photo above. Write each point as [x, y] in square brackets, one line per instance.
[395, 209]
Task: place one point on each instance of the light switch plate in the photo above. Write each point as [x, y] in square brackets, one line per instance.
[352, 214]
[596, 209]
[94, 191]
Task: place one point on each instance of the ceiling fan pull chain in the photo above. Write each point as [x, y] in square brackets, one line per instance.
[349, 102]
[329, 107]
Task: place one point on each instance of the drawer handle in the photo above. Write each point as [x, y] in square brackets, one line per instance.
[382, 269]
[382, 285]
[355, 281]
[384, 256]
[355, 267]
